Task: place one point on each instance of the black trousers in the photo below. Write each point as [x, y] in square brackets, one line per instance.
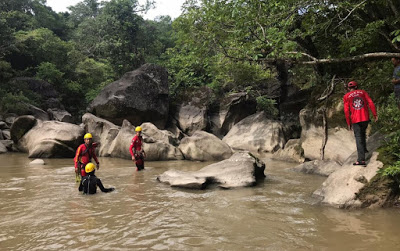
[359, 133]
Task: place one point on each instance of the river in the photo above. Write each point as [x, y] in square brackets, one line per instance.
[41, 209]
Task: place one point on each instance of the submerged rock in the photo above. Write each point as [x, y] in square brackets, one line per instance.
[240, 170]
[37, 162]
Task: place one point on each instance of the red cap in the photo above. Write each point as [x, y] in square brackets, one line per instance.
[352, 84]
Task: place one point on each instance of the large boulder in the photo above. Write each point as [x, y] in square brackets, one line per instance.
[340, 142]
[204, 146]
[256, 133]
[21, 125]
[240, 170]
[51, 139]
[231, 110]
[139, 96]
[102, 130]
[152, 131]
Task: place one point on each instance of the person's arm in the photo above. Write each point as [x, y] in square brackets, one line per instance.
[95, 158]
[80, 186]
[396, 81]
[371, 106]
[131, 149]
[102, 188]
[76, 159]
[347, 112]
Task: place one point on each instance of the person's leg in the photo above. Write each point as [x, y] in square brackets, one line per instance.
[363, 129]
[397, 94]
[359, 144]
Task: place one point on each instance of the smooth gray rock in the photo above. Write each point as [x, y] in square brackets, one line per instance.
[256, 133]
[204, 146]
[51, 139]
[240, 170]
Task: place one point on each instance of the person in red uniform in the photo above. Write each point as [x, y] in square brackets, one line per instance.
[357, 104]
[136, 149]
[84, 155]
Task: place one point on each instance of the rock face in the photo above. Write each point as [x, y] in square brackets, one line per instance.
[51, 139]
[232, 109]
[204, 146]
[240, 170]
[139, 96]
[339, 146]
[291, 153]
[256, 133]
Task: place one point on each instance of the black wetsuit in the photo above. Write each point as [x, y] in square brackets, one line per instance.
[89, 185]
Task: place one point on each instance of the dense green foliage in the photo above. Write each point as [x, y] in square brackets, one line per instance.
[78, 52]
[227, 45]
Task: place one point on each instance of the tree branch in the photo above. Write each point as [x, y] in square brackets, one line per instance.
[351, 59]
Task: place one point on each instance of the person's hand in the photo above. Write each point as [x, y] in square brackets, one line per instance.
[112, 189]
[349, 127]
[133, 158]
[376, 118]
[98, 166]
[76, 170]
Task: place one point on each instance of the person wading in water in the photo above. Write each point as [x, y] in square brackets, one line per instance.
[84, 155]
[356, 104]
[136, 149]
[90, 182]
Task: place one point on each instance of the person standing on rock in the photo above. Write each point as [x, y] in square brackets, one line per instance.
[136, 149]
[396, 79]
[84, 155]
[90, 182]
[356, 109]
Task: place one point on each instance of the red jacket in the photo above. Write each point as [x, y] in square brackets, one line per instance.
[84, 156]
[136, 145]
[356, 104]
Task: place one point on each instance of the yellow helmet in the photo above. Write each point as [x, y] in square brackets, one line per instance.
[138, 129]
[88, 136]
[89, 168]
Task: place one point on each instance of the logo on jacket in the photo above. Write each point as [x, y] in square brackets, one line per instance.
[358, 103]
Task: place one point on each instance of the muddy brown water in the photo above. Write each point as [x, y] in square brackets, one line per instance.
[41, 209]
